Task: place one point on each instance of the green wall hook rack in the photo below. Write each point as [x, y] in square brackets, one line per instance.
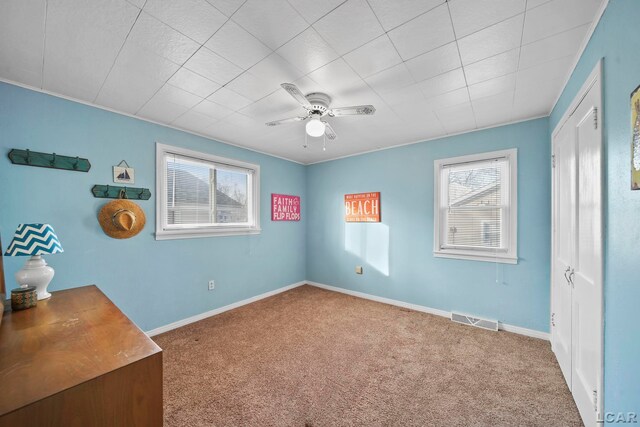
[117, 192]
[46, 160]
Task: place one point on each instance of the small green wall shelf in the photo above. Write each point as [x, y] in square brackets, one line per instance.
[46, 160]
[117, 192]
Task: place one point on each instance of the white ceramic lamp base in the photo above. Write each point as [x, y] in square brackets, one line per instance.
[36, 273]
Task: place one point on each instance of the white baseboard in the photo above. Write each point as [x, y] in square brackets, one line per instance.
[197, 317]
[383, 300]
[502, 326]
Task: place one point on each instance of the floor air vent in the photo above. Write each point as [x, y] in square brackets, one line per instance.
[491, 325]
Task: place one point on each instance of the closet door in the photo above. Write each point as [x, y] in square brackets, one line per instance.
[586, 270]
[576, 281]
[564, 246]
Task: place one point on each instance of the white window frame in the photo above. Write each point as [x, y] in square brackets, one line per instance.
[163, 232]
[510, 230]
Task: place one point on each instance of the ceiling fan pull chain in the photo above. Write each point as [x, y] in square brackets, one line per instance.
[324, 142]
[305, 141]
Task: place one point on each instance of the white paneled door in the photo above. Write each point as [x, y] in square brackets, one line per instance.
[577, 303]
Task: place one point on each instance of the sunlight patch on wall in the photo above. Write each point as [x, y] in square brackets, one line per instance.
[370, 242]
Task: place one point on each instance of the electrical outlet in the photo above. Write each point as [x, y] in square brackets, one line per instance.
[358, 269]
[212, 285]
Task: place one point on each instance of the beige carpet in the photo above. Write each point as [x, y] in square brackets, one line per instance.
[310, 357]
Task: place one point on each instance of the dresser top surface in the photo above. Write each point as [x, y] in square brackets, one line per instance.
[74, 336]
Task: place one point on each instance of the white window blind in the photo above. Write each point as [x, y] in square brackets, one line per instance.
[203, 194]
[474, 203]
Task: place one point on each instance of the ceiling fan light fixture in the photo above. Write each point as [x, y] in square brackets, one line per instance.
[315, 127]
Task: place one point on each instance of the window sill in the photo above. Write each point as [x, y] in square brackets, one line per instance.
[194, 234]
[499, 258]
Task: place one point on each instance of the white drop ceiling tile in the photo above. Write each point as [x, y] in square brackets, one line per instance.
[349, 26]
[306, 85]
[196, 19]
[436, 62]
[538, 75]
[448, 99]
[358, 93]
[492, 40]
[415, 111]
[412, 112]
[273, 22]
[442, 83]
[531, 102]
[557, 16]
[493, 87]
[212, 66]
[235, 44]
[335, 77]
[470, 16]
[193, 83]
[373, 57]
[176, 96]
[393, 13]
[242, 121]
[535, 3]
[495, 66]
[424, 33]
[137, 3]
[136, 76]
[276, 106]
[193, 121]
[228, 98]
[307, 51]
[457, 119]
[554, 47]
[494, 110]
[82, 43]
[212, 110]
[392, 79]
[408, 95]
[426, 130]
[22, 41]
[228, 7]
[161, 111]
[251, 87]
[274, 70]
[159, 38]
[312, 10]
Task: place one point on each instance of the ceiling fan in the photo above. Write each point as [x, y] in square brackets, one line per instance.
[317, 106]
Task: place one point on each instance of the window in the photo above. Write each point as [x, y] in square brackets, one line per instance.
[203, 195]
[476, 207]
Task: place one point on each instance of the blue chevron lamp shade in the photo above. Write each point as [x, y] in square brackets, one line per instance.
[34, 239]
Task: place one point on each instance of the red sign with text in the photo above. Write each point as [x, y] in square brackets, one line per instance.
[362, 207]
[285, 208]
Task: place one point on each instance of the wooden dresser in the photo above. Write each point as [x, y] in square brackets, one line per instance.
[76, 360]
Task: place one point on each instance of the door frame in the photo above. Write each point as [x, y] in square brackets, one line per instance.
[594, 77]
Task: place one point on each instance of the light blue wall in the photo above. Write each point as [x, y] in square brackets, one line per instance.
[153, 282]
[617, 40]
[397, 254]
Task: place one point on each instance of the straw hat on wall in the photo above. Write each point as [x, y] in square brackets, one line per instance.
[121, 219]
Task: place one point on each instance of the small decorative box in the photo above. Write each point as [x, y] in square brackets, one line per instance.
[23, 297]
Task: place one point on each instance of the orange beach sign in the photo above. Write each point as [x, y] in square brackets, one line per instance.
[362, 207]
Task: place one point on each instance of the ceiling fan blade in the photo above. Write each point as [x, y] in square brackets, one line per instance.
[289, 120]
[357, 110]
[296, 94]
[329, 132]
